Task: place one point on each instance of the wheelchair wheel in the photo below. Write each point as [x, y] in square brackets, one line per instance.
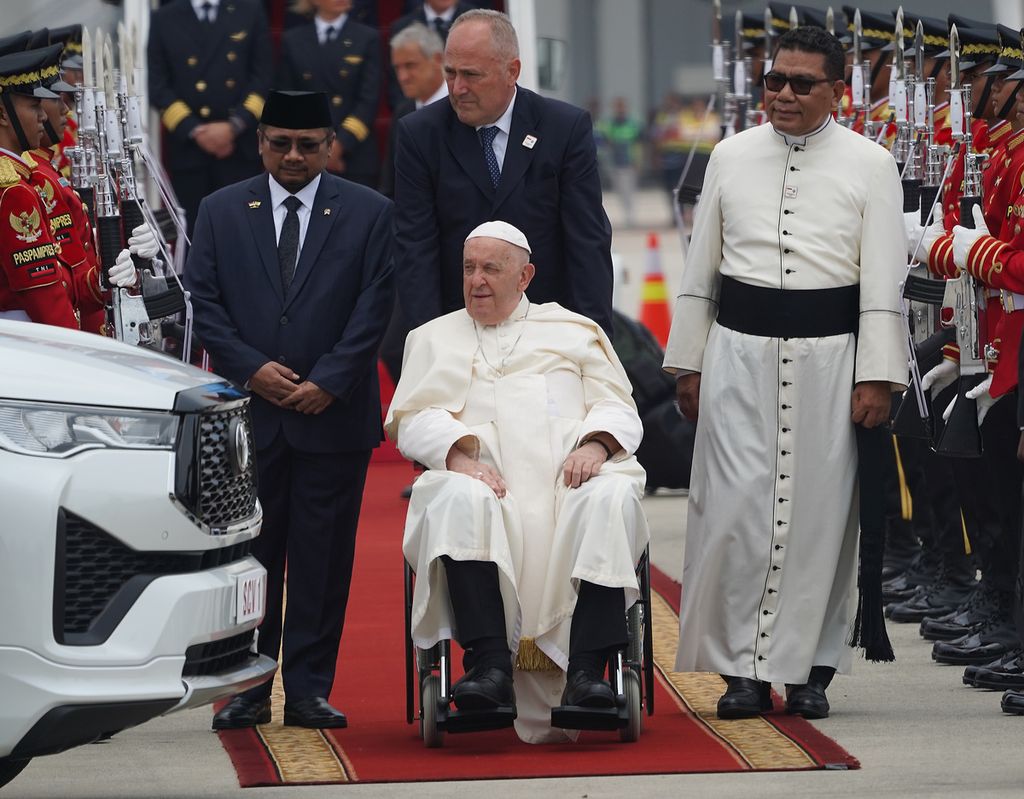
[634, 707]
[430, 695]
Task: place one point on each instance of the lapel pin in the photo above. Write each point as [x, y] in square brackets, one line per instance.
[327, 211]
[254, 204]
[529, 141]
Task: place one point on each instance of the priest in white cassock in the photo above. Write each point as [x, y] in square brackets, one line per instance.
[526, 528]
[786, 335]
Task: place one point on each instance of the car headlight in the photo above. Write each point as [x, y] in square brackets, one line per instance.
[60, 431]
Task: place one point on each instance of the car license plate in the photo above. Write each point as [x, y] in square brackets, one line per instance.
[250, 595]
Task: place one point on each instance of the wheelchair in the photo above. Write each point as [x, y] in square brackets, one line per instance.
[630, 672]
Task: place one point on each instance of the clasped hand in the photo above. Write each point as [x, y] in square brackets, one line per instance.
[280, 386]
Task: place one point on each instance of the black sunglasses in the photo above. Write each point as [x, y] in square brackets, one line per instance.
[776, 81]
[284, 144]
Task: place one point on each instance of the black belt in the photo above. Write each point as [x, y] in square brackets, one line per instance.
[781, 313]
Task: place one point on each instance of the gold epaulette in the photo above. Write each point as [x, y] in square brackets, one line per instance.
[28, 159]
[175, 114]
[9, 175]
[254, 104]
[356, 127]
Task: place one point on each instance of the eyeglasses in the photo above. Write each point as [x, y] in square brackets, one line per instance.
[776, 81]
[284, 144]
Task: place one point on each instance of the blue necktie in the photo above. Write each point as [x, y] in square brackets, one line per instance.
[487, 142]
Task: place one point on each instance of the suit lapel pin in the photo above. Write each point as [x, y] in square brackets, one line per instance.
[529, 141]
[327, 211]
[254, 204]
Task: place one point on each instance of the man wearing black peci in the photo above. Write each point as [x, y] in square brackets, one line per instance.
[290, 274]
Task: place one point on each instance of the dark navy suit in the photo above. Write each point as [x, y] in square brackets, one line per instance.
[327, 328]
[550, 191]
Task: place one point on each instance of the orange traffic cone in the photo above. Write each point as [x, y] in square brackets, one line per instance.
[654, 313]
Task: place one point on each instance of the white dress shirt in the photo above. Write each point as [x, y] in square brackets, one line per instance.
[307, 194]
[322, 26]
[504, 126]
[442, 92]
[448, 16]
[197, 6]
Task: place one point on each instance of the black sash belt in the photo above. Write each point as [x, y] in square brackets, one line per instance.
[781, 313]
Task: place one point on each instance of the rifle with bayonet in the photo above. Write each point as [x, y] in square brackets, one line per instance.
[964, 304]
[860, 86]
[899, 98]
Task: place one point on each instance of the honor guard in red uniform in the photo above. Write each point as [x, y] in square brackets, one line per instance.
[36, 283]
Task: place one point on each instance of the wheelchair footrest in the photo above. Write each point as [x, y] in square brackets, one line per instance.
[574, 717]
[478, 720]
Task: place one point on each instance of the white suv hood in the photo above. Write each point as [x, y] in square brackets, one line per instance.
[54, 364]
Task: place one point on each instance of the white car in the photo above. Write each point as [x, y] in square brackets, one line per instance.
[128, 511]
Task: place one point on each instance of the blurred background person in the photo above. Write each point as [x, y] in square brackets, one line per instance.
[334, 54]
[619, 136]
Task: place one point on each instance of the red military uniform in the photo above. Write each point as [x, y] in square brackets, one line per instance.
[70, 227]
[998, 261]
[33, 278]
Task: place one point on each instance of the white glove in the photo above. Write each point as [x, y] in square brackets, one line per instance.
[143, 242]
[912, 224]
[123, 273]
[981, 394]
[964, 238]
[932, 233]
[941, 376]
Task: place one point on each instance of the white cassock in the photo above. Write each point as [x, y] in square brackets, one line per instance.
[520, 396]
[769, 572]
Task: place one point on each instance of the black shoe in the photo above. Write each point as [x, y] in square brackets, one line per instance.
[744, 698]
[483, 688]
[585, 688]
[807, 700]
[982, 605]
[313, 712]
[971, 672]
[949, 590]
[242, 712]
[1013, 702]
[1007, 675]
[990, 642]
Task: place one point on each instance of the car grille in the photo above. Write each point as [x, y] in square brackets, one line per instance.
[214, 657]
[216, 471]
[98, 579]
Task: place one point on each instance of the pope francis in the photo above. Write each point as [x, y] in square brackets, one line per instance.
[526, 528]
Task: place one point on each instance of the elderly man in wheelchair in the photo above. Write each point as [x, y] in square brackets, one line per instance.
[526, 529]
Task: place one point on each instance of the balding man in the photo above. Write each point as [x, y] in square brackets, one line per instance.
[525, 531]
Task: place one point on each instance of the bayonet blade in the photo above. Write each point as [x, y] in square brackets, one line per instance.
[769, 35]
[716, 22]
[738, 33]
[108, 74]
[899, 57]
[87, 63]
[830, 21]
[919, 50]
[858, 32]
[794, 17]
[954, 58]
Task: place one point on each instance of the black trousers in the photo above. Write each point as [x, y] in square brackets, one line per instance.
[311, 505]
[598, 621]
[990, 490]
[192, 185]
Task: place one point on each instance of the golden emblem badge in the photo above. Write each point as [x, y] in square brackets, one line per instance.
[327, 211]
[46, 194]
[237, 37]
[255, 204]
[26, 226]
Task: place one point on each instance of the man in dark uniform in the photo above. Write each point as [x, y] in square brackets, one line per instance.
[336, 55]
[210, 64]
[290, 274]
[438, 15]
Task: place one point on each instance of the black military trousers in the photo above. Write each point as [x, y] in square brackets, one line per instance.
[191, 185]
[990, 491]
[311, 505]
[598, 621]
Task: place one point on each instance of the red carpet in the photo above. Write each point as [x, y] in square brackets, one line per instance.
[683, 735]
